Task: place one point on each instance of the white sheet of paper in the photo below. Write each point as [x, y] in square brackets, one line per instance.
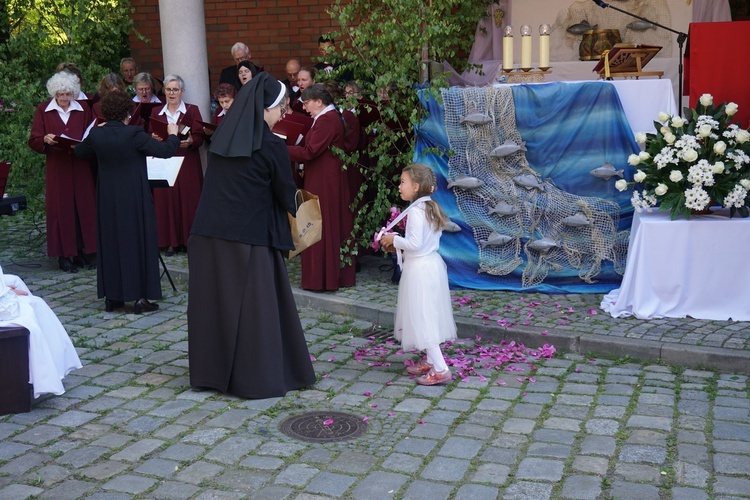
[164, 168]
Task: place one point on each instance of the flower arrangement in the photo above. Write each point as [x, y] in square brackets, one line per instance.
[395, 212]
[690, 164]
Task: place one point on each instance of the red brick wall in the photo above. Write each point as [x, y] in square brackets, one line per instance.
[275, 31]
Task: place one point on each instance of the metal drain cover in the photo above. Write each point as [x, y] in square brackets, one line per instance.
[378, 334]
[324, 427]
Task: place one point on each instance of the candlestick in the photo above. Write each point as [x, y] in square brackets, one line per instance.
[544, 33]
[525, 47]
[508, 48]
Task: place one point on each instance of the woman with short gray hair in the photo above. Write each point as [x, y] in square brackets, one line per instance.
[70, 200]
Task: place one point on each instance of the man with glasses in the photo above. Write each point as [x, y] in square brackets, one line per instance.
[240, 52]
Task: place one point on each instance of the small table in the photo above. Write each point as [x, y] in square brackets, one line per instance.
[679, 268]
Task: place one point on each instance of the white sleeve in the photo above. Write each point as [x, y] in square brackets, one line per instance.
[415, 229]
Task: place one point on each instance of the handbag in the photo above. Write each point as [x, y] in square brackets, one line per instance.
[307, 225]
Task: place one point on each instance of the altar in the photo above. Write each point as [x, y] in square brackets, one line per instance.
[679, 268]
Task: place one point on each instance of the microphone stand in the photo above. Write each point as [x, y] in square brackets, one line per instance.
[681, 38]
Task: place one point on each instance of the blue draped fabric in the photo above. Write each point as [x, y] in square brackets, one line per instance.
[569, 129]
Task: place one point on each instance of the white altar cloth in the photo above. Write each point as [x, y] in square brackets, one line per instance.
[679, 268]
[51, 353]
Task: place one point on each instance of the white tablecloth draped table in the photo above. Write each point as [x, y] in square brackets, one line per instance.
[678, 268]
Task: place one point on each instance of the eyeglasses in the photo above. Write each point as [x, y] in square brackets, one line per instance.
[143, 89]
[171, 91]
[238, 60]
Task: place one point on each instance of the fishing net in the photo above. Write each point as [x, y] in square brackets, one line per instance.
[580, 232]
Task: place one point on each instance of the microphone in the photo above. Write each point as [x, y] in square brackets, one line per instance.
[601, 4]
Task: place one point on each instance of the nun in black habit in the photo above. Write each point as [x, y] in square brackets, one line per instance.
[244, 333]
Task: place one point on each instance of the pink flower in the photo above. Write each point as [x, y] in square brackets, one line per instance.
[365, 419]
[328, 422]
[367, 393]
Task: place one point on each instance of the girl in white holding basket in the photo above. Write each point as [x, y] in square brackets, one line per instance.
[424, 314]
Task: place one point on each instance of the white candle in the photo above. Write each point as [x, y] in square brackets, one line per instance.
[508, 52]
[544, 51]
[526, 52]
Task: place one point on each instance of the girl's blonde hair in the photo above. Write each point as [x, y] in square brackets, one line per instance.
[423, 176]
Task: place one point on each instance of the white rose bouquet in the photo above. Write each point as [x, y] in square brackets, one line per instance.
[691, 163]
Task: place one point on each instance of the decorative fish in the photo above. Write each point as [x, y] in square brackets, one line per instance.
[528, 181]
[465, 182]
[577, 220]
[451, 227]
[543, 245]
[641, 25]
[476, 119]
[502, 209]
[606, 172]
[507, 148]
[496, 239]
[578, 29]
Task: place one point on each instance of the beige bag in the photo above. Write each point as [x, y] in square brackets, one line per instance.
[307, 226]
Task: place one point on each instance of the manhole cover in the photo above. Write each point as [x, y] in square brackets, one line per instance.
[324, 427]
[378, 334]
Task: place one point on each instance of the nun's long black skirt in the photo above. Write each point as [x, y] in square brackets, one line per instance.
[244, 332]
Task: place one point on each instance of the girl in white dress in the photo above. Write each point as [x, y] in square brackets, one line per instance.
[424, 314]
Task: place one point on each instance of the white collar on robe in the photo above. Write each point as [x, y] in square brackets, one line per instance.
[153, 98]
[222, 113]
[82, 96]
[165, 111]
[53, 106]
[328, 108]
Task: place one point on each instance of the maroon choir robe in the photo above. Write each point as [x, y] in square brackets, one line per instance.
[176, 205]
[321, 263]
[70, 187]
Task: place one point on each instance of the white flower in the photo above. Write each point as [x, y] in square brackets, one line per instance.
[621, 185]
[665, 130]
[745, 183]
[639, 176]
[675, 176]
[704, 130]
[720, 147]
[731, 108]
[696, 198]
[718, 167]
[689, 155]
[640, 137]
[707, 100]
[742, 136]
[677, 121]
[634, 160]
[663, 117]
[643, 155]
[670, 138]
[661, 190]
[736, 197]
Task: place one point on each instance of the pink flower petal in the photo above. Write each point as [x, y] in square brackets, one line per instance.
[421, 421]
[367, 393]
[390, 413]
[328, 422]
[325, 376]
[389, 383]
[312, 358]
[365, 419]
[374, 406]
[501, 382]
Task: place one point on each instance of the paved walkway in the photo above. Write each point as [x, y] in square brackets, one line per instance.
[573, 426]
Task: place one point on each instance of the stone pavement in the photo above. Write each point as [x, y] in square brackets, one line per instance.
[574, 426]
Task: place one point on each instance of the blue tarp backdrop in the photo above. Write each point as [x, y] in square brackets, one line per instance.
[569, 130]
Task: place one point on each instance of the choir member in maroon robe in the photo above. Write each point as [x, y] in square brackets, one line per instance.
[110, 83]
[351, 136]
[70, 199]
[224, 95]
[176, 205]
[323, 176]
[145, 88]
[305, 78]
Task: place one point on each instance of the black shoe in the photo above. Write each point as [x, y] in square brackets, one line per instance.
[169, 252]
[66, 265]
[78, 261]
[111, 305]
[142, 305]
